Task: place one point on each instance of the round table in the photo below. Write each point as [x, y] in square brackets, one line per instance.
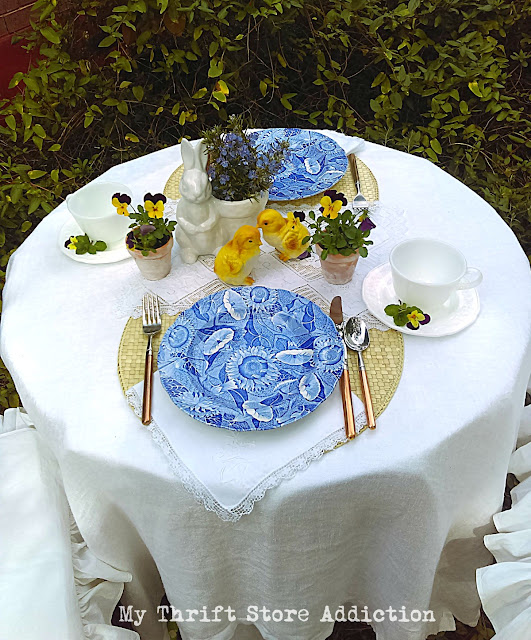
[394, 519]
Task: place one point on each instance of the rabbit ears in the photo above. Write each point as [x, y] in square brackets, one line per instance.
[194, 156]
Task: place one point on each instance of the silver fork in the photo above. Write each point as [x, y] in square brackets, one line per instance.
[359, 200]
[151, 325]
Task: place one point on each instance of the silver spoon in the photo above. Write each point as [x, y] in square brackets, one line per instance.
[356, 336]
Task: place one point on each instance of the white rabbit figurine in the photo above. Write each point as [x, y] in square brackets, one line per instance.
[199, 231]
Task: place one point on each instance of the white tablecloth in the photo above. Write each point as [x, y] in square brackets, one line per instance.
[395, 518]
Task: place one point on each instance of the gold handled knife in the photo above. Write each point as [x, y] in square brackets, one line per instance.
[336, 313]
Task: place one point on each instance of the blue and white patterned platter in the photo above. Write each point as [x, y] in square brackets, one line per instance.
[313, 164]
[250, 358]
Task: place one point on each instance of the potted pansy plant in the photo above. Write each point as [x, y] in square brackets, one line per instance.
[339, 236]
[240, 172]
[151, 237]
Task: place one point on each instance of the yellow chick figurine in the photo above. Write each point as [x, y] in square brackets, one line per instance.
[286, 235]
[236, 259]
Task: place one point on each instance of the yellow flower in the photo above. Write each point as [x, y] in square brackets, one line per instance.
[121, 208]
[415, 318]
[154, 209]
[121, 201]
[73, 243]
[330, 208]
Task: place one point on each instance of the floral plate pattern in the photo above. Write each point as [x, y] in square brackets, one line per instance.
[250, 359]
[314, 163]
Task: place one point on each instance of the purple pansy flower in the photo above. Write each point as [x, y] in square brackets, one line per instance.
[367, 225]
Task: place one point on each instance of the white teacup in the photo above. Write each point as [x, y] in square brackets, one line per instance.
[92, 209]
[427, 273]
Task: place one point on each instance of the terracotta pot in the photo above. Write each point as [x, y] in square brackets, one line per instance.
[236, 213]
[154, 266]
[338, 269]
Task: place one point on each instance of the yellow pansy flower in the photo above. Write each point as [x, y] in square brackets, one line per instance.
[154, 205]
[416, 318]
[121, 201]
[73, 243]
[330, 208]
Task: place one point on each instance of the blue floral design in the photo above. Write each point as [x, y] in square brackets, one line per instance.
[252, 369]
[314, 163]
[250, 358]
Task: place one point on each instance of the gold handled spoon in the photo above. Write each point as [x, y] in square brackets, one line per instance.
[356, 336]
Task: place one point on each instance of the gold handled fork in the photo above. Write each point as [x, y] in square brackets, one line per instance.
[151, 325]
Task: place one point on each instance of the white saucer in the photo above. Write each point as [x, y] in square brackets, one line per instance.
[114, 253]
[457, 314]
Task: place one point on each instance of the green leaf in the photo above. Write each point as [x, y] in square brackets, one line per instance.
[198, 94]
[223, 86]
[131, 137]
[392, 309]
[26, 225]
[88, 120]
[379, 79]
[32, 84]
[34, 204]
[36, 173]
[16, 79]
[473, 86]
[55, 147]
[214, 70]
[214, 46]
[11, 122]
[435, 145]
[107, 42]
[38, 130]
[286, 103]
[122, 108]
[263, 87]
[51, 35]
[138, 92]
[219, 95]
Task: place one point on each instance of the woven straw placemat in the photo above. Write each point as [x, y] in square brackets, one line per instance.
[369, 187]
[384, 360]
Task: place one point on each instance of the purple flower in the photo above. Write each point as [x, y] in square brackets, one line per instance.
[129, 240]
[367, 225]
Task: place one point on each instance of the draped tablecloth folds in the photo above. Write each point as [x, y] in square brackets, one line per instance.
[395, 518]
[505, 587]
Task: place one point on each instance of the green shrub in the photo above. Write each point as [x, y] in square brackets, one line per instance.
[444, 79]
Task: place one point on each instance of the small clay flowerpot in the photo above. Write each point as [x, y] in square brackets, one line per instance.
[156, 265]
[338, 269]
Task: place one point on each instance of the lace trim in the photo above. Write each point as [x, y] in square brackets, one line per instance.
[203, 495]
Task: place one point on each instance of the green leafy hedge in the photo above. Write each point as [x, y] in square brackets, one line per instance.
[444, 79]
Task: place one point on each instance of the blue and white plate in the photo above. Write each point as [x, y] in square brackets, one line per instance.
[249, 359]
[313, 163]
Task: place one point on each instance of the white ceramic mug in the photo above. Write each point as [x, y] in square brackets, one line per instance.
[428, 272]
[92, 209]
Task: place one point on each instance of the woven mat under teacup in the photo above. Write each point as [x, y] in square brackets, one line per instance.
[384, 360]
[369, 187]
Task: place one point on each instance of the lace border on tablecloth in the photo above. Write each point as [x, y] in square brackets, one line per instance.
[203, 496]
